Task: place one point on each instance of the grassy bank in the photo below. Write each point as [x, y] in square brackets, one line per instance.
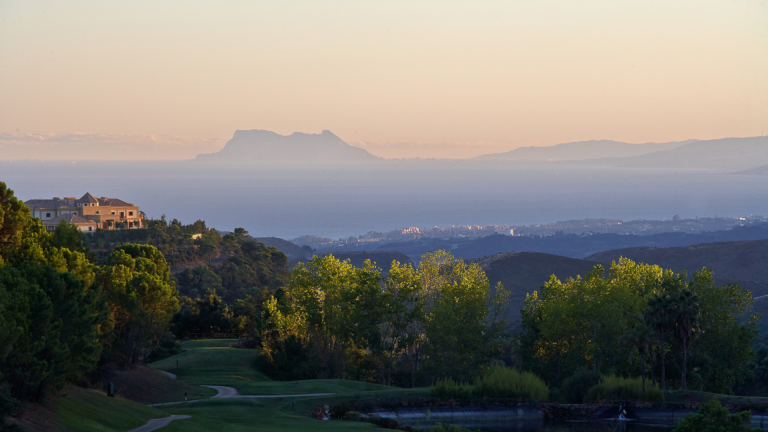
[237, 415]
[146, 385]
[207, 362]
[90, 411]
[230, 367]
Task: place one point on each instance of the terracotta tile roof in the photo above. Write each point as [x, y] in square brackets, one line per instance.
[87, 198]
[113, 202]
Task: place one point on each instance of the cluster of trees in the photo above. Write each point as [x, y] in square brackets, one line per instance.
[640, 320]
[61, 315]
[250, 267]
[230, 297]
[173, 239]
[406, 328]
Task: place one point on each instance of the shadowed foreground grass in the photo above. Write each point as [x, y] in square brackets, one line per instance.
[237, 415]
[310, 386]
[146, 385]
[90, 411]
[234, 367]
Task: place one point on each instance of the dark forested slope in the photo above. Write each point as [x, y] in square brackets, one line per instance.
[524, 272]
[742, 262]
[582, 246]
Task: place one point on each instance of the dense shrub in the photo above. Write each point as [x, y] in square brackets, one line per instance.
[614, 388]
[166, 348]
[576, 386]
[499, 381]
[449, 389]
[294, 362]
[714, 417]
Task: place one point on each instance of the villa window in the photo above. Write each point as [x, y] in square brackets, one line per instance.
[130, 213]
[47, 215]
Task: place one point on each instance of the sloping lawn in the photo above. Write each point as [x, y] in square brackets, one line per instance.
[91, 411]
[236, 415]
[206, 343]
[230, 367]
[309, 386]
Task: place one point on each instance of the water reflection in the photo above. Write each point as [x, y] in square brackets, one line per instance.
[596, 426]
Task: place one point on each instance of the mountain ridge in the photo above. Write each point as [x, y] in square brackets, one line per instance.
[263, 146]
[580, 150]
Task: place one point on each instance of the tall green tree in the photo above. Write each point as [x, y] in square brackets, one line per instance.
[400, 330]
[142, 298]
[641, 339]
[660, 314]
[687, 314]
[462, 315]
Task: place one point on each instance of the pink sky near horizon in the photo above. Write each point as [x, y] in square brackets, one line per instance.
[402, 79]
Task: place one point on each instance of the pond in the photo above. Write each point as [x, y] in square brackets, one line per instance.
[531, 419]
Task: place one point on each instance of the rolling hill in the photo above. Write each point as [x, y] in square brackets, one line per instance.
[382, 259]
[582, 246]
[719, 154]
[742, 262]
[582, 150]
[524, 272]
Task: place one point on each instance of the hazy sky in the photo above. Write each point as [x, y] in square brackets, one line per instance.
[402, 78]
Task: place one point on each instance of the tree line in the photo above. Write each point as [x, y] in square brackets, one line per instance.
[408, 327]
[640, 320]
[61, 315]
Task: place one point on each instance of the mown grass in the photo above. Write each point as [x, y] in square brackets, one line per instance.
[146, 385]
[613, 388]
[310, 386]
[236, 415]
[229, 367]
[90, 411]
[233, 367]
[206, 343]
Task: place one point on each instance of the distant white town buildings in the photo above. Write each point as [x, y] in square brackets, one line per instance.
[87, 213]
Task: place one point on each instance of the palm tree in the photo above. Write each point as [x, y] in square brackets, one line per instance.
[660, 315]
[640, 338]
[687, 314]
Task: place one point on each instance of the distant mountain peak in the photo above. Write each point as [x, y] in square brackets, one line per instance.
[263, 146]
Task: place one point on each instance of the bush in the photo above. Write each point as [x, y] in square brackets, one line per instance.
[576, 386]
[353, 416]
[384, 422]
[614, 388]
[502, 382]
[167, 348]
[449, 389]
[714, 417]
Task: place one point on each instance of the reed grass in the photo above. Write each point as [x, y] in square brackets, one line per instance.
[613, 388]
[450, 389]
[503, 382]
